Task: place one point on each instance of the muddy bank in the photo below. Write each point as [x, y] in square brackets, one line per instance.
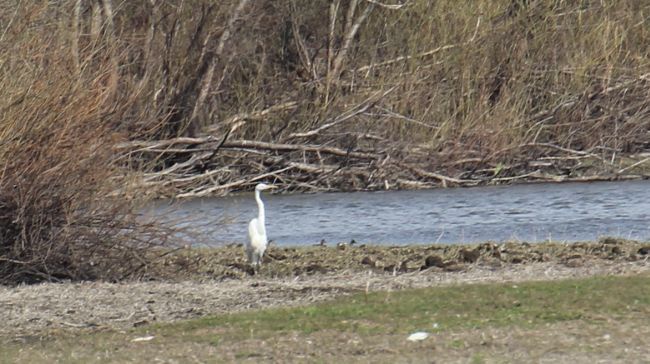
[229, 262]
[203, 282]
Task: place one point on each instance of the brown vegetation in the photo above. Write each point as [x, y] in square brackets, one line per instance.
[412, 95]
[395, 94]
[60, 117]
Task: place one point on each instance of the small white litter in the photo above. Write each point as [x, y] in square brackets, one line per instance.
[418, 336]
[142, 338]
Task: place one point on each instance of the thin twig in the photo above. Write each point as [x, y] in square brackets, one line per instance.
[633, 165]
[423, 54]
[230, 185]
[359, 109]
[388, 6]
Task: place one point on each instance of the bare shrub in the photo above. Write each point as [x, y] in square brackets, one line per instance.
[58, 171]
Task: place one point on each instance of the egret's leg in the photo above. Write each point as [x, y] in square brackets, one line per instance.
[249, 255]
[255, 262]
[256, 259]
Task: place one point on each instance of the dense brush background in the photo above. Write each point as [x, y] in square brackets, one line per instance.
[100, 98]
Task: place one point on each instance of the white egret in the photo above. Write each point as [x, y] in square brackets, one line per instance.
[257, 230]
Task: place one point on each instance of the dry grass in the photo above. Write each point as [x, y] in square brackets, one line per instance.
[502, 84]
[468, 90]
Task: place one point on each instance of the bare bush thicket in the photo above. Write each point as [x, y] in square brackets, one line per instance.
[425, 93]
[59, 121]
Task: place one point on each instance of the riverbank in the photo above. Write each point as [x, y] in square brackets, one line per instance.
[201, 282]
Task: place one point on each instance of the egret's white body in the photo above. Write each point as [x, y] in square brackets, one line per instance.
[257, 230]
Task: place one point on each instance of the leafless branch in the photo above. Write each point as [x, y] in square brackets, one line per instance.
[206, 82]
[388, 6]
[423, 54]
[359, 109]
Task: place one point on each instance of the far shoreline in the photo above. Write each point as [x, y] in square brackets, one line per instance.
[548, 179]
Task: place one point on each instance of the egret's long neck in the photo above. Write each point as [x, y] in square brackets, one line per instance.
[260, 206]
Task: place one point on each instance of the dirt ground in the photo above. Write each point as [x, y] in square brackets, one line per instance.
[203, 282]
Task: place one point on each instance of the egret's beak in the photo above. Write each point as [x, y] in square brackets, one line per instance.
[271, 187]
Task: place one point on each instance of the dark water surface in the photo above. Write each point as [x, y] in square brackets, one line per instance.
[530, 212]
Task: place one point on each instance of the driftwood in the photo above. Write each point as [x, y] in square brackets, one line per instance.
[231, 185]
[165, 146]
[437, 176]
[337, 154]
[214, 166]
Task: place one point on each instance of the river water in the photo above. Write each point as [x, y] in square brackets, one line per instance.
[528, 212]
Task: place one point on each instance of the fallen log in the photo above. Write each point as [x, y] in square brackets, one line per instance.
[161, 146]
[300, 148]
